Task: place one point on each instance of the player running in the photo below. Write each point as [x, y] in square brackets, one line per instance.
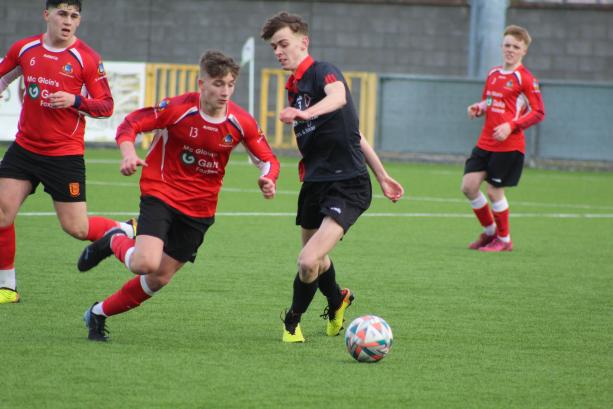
[511, 102]
[64, 80]
[180, 184]
[336, 187]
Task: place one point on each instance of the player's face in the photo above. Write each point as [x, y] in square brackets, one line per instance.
[62, 23]
[215, 93]
[513, 51]
[290, 48]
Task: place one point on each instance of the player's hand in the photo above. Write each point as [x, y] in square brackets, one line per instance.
[61, 99]
[391, 189]
[267, 187]
[289, 115]
[130, 164]
[502, 132]
[475, 110]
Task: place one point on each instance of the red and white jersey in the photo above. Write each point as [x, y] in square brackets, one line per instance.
[513, 97]
[77, 70]
[189, 153]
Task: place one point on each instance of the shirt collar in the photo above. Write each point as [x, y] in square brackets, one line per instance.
[297, 75]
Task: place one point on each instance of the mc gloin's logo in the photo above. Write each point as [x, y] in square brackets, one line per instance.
[188, 158]
[33, 91]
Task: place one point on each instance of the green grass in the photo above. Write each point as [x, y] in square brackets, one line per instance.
[527, 329]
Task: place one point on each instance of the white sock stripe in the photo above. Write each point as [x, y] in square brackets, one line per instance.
[128, 257]
[146, 289]
[501, 205]
[479, 202]
[7, 279]
[98, 310]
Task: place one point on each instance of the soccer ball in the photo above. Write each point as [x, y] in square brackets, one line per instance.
[368, 338]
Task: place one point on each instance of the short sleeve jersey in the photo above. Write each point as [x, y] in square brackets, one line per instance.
[329, 143]
[188, 157]
[513, 97]
[77, 70]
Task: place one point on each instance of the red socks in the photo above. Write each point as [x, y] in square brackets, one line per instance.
[120, 245]
[484, 215]
[7, 247]
[98, 226]
[502, 222]
[131, 295]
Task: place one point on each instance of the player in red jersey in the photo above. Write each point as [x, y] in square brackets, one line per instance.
[511, 103]
[180, 184]
[336, 187]
[65, 80]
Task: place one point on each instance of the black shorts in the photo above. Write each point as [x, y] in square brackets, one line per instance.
[342, 200]
[182, 235]
[501, 168]
[62, 176]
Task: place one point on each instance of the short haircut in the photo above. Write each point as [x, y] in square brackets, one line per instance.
[280, 21]
[520, 34]
[216, 64]
[56, 3]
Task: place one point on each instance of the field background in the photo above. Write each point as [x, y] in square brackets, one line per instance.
[527, 329]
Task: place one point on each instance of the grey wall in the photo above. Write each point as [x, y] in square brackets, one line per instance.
[367, 36]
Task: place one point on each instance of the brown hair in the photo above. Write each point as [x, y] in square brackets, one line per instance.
[216, 64]
[520, 34]
[280, 21]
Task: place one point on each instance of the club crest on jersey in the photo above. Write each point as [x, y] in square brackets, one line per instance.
[74, 188]
[162, 105]
[33, 91]
[188, 158]
[535, 85]
[67, 68]
[227, 140]
[101, 69]
[489, 101]
[509, 84]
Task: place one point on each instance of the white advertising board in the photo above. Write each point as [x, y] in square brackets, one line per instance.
[127, 82]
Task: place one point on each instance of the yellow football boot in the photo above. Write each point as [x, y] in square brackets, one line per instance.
[295, 337]
[8, 296]
[335, 319]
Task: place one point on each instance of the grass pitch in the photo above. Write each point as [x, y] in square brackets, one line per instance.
[527, 329]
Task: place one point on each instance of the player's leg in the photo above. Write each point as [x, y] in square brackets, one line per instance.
[13, 192]
[474, 175]
[133, 293]
[504, 170]
[166, 241]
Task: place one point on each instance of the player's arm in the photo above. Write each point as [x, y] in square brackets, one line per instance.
[97, 102]
[9, 70]
[335, 98]
[142, 120]
[263, 157]
[536, 113]
[390, 187]
[478, 108]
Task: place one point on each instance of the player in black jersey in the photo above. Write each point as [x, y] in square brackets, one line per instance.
[336, 187]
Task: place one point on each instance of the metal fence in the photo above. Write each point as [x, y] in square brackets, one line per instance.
[427, 115]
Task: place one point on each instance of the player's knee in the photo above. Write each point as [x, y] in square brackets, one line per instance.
[308, 267]
[143, 265]
[469, 190]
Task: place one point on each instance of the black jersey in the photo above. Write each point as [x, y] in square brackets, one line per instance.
[329, 143]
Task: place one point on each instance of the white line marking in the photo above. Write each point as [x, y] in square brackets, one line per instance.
[380, 196]
[399, 215]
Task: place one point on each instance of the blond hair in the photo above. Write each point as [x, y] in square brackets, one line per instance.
[519, 33]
